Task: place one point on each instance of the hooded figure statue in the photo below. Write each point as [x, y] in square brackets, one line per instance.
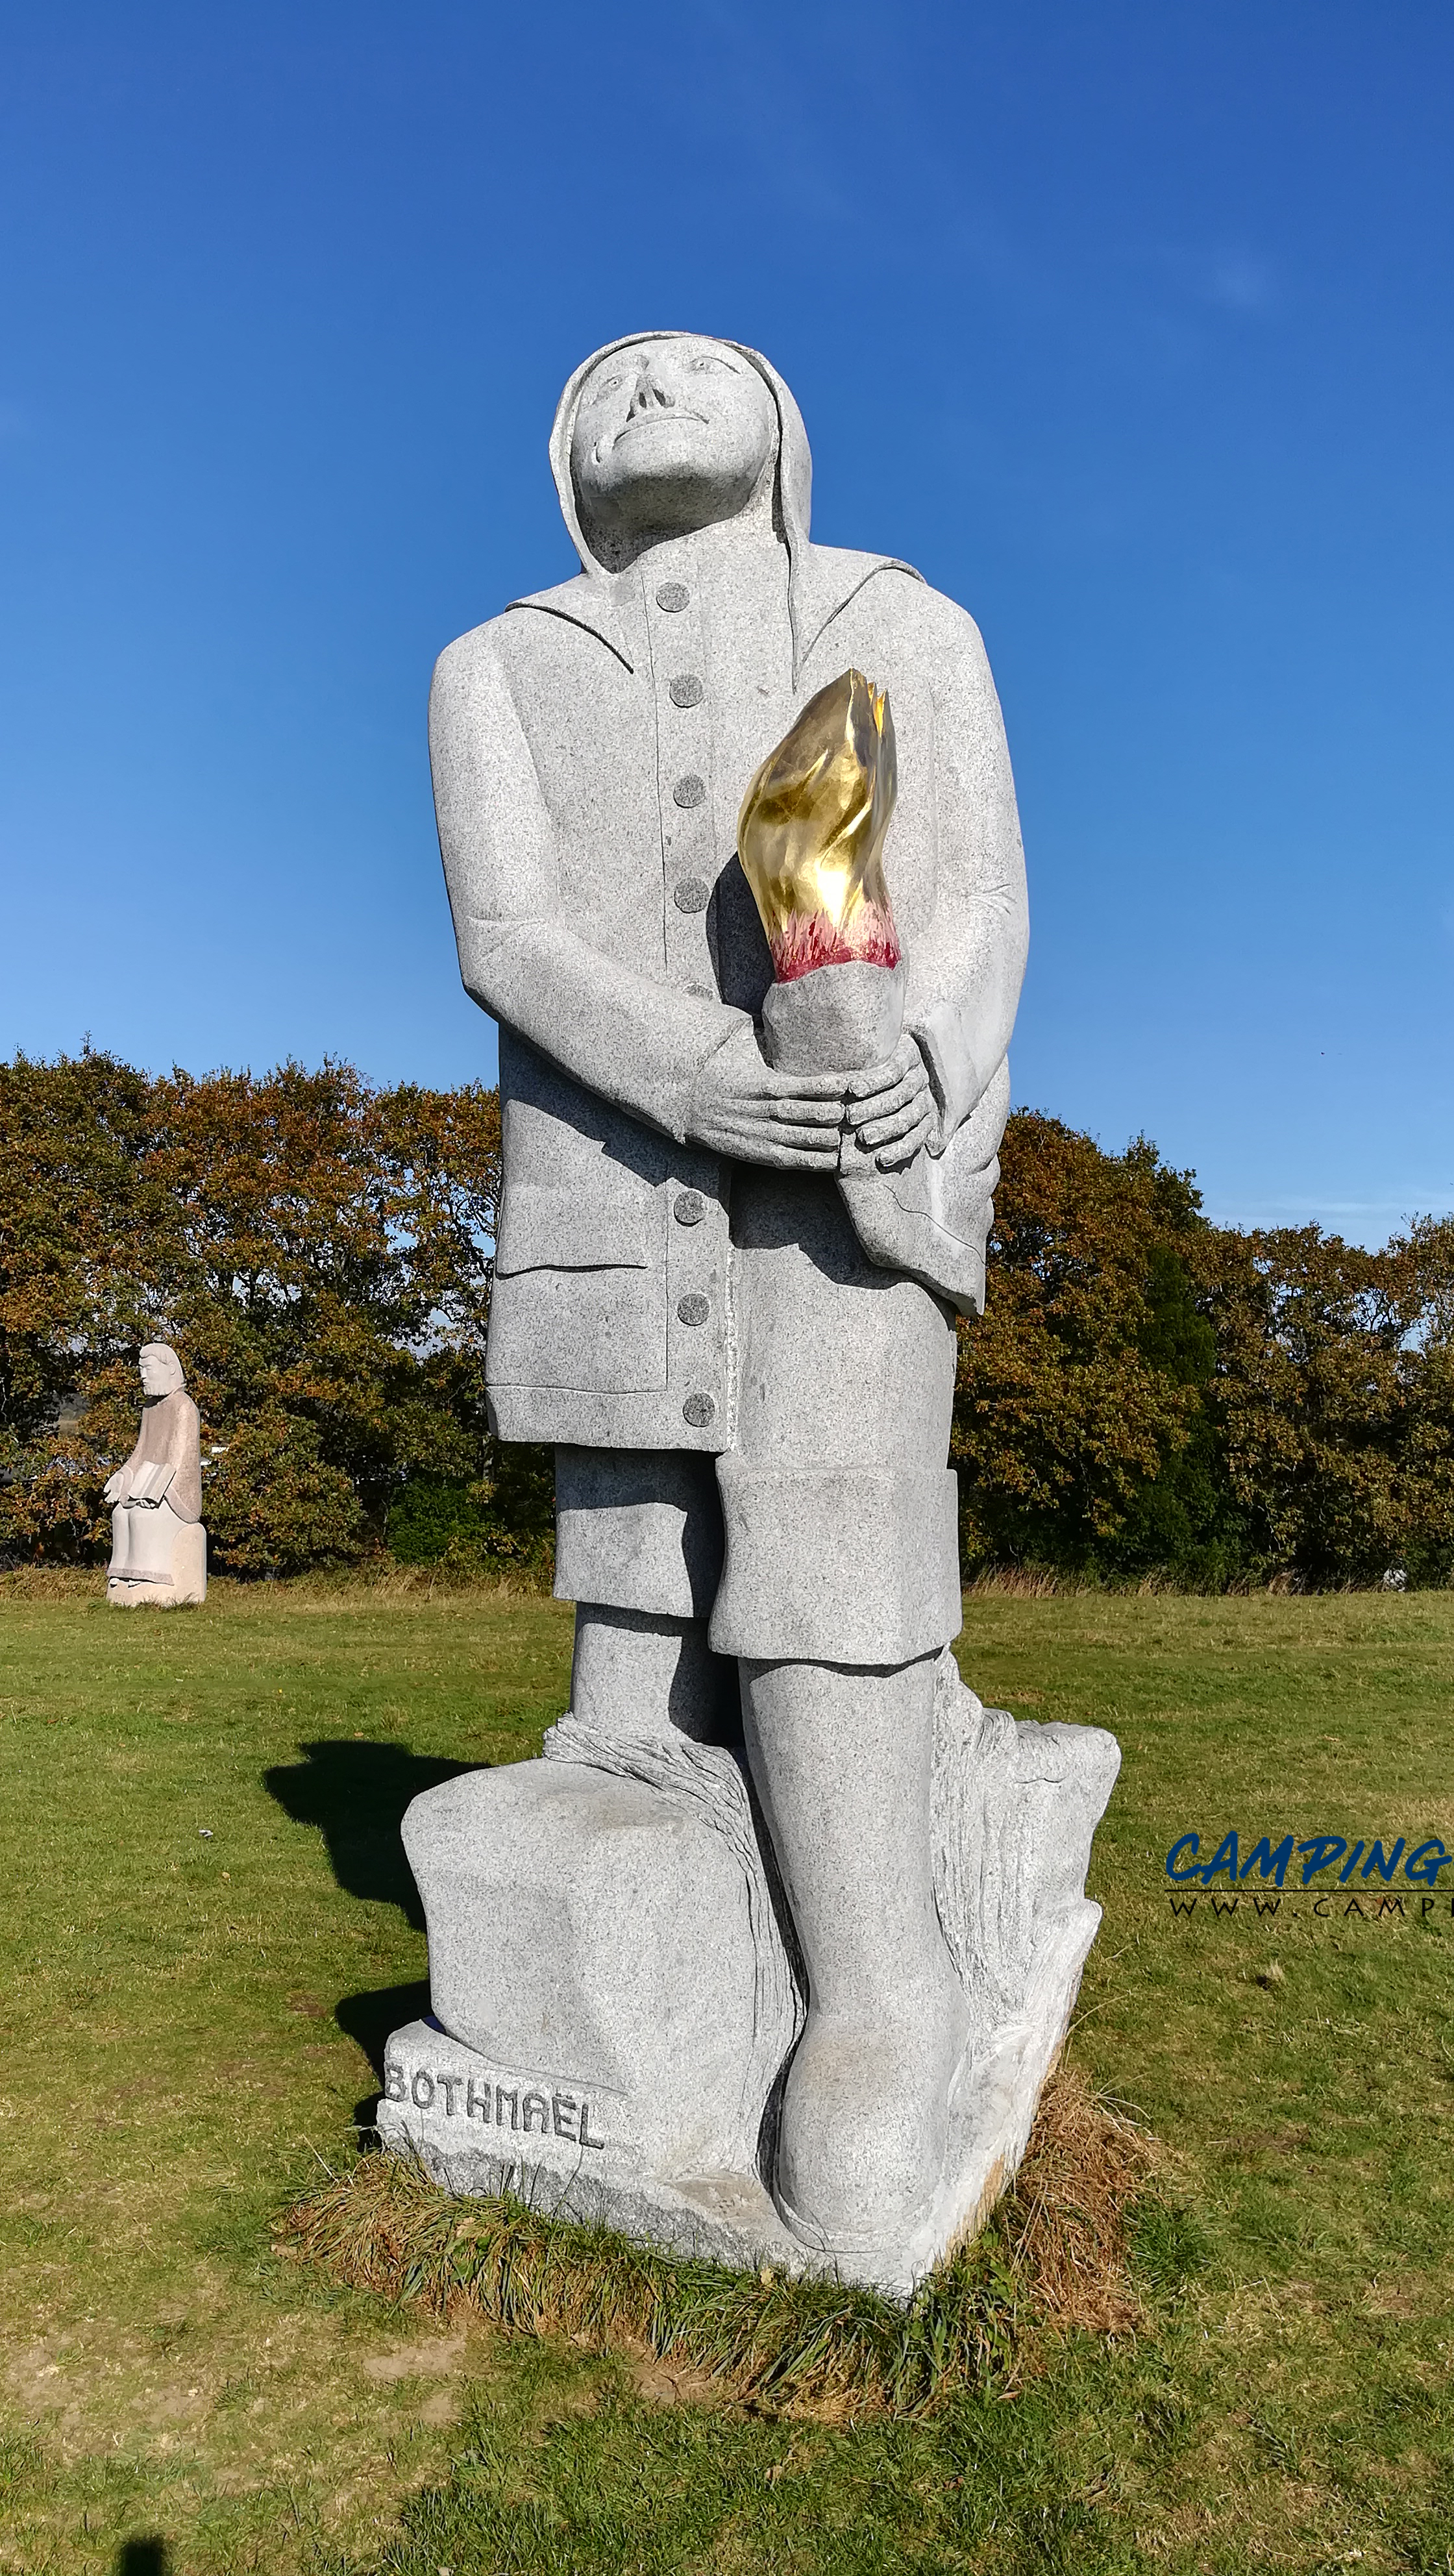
[750, 1409]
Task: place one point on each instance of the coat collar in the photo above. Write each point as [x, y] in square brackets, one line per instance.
[824, 580]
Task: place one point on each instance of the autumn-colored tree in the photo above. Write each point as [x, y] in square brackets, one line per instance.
[1335, 1395]
[77, 1224]
[319, 1252]
[1081, 1431]
[1145, 1392]
[1426, 1453]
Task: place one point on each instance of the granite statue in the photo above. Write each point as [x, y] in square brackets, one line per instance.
[769, 1954]
[158, 1543]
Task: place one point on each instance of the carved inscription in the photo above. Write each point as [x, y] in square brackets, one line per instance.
[529, 2112]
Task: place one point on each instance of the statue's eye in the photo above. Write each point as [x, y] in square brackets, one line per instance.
[612, 385]
[700, 366]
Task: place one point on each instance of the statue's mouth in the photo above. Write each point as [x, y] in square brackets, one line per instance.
[659, 420]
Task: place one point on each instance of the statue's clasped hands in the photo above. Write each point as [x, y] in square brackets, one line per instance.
[807, 1122]
[890, 1111]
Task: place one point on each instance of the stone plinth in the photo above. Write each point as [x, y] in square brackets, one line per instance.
[597, 1928]
[615, 2002]
[179, 1583]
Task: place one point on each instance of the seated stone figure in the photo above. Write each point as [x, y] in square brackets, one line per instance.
[158, 1544]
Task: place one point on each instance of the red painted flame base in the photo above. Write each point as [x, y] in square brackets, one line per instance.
[802, 945]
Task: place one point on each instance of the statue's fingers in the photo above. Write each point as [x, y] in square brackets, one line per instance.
[820, 1143]
[776, 1154]
[905, 1064]
[895, 1156]
[875, 1078]
[826, 1113]
[863, 1115]
[753, 1135]
[911, 1119]
[890, 1124]
[804, 1085]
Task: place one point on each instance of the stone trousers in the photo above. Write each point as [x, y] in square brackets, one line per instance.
[828, 1532]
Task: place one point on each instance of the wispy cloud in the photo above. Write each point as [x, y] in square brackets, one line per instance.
[1369, 1221]
[1241, 283]
[1230, 277]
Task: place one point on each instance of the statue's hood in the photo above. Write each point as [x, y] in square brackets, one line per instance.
[794, 459]
[821, 579]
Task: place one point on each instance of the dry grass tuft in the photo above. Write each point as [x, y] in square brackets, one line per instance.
[376, 1580]
[1087, 2164]
[1049, 1583]
[382, 1579]
[1054, 2256]
[1022, 1582]
[52, 1583]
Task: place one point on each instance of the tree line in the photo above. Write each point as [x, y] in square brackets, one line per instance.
[1147, 1393]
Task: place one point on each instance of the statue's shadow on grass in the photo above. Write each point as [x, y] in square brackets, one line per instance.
[355, 1793]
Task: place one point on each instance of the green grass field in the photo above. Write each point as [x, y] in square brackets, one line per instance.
[208, 1930]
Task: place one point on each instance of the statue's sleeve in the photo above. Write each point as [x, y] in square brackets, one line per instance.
[965, 976]
[128, 1466]
[632, 1040]
[184, 1457]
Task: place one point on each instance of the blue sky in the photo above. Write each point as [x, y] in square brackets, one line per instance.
[1129, 324]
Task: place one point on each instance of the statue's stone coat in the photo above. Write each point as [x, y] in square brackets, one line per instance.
[171, 1436]
[781, 1904]
[584, 810]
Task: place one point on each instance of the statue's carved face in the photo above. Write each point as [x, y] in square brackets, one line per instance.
[669, 435]
[161, 1370]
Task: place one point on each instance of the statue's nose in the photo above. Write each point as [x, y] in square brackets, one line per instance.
[649, 395]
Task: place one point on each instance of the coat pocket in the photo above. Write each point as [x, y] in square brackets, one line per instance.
[586, 1332]
[554, 1229]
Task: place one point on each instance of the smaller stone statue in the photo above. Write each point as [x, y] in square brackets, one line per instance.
[158, 1544]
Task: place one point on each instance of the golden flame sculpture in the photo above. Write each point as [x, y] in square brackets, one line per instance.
[810, 834]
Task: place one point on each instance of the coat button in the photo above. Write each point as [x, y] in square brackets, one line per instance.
[690, 1207]
[693, 1310]
[699, 1410]
[687, 690]
[690, 791]
[692, 895]
[673, 597]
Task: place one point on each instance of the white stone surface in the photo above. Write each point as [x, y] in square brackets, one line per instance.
[735, 1221]
[433, 2108]
[158, 1544]
[612, 1926]
[563, 735]
[615, 2000]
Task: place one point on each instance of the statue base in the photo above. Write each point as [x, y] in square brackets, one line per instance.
[185, 1585]
[433, 2109]
[615, 2003]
